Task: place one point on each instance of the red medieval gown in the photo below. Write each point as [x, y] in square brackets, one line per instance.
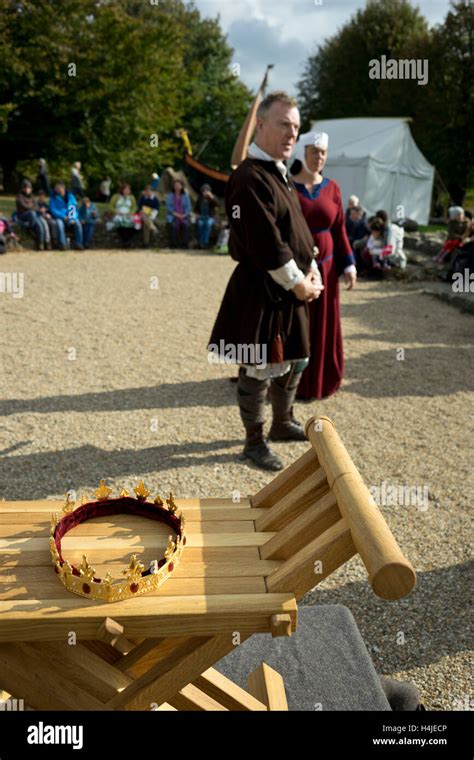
[324, 213]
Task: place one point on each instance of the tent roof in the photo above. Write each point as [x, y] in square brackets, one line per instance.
[388, 141]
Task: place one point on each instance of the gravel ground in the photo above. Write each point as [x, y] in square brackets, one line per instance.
[106, 375]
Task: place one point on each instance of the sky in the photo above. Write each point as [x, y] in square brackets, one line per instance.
[287, 32]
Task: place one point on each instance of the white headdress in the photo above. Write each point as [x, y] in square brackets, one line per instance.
[317, 139]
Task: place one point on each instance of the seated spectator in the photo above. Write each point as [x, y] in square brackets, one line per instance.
[463, 257]
[356, 226]
[88, 216]
[77, 180]
[393, 237]
[49, 224]
[148, 208]
[205, 207]
[26, 214]
[178, 206]
[124, 218]
[104, 189]
[6, 233]
[63, 208]
[353, 201]
[458, 226]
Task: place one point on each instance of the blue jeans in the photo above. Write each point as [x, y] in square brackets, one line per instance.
[29, 221]
[204, 226]
[62, 231]
[88, 229]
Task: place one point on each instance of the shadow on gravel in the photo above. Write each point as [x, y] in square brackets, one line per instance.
[215, 392]
[434, 618]
[424, 372]
[35, 476]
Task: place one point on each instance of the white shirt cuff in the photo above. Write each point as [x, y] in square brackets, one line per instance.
[288, 275]
[351, 269]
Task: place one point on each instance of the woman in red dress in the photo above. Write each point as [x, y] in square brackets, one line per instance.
[322, 207]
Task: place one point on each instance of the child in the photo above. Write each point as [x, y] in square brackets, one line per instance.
[375, 244]
[88, 217]
[6, 233]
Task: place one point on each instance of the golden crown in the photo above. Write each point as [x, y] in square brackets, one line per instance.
[82, 580]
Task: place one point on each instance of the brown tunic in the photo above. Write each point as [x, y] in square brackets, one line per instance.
[267, 229]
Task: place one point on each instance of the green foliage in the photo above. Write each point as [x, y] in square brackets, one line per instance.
[139, 71]
[336, 84]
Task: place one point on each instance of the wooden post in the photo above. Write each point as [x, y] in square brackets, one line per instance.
[390, 573]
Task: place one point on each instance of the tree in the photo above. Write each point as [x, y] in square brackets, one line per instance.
[108, 82]
[336, 83]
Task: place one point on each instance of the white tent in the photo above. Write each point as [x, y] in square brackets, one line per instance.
[378, 160]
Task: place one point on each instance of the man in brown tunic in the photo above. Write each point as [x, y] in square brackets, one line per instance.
[263, 322]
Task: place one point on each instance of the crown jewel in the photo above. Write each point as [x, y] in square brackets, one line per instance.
[82, 580]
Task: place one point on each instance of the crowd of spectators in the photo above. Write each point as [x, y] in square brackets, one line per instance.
[58, 215]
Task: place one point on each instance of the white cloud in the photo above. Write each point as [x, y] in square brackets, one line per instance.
[286, 32]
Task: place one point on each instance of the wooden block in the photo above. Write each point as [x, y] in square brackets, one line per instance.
[111, 633]
[166, 707]
[294, 503]
[331, 549]
[309, 525]
[281, 625]
[289, 479]
[226, 692]
[268, 687]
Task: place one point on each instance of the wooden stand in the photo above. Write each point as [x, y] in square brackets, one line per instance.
[244, 569]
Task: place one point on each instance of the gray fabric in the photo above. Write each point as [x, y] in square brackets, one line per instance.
[325, 664]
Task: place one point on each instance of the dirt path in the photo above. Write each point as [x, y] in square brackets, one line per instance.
[105, 375]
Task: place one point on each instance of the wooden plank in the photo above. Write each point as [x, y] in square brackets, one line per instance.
[81, 668]
[294, 503]
[44, 620]
[166, 707]
[226, 692]
[32, 518]
[20, 558]
[286, 481]
[147, 541]
[51, 588]
[25, 672]
[105, 651]
[106, 528]
[268, 687]
[185, 569]
[147, 653]
[47, 505]
[165, 678]
[192, 698]
[303, 529]
[331, 549]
